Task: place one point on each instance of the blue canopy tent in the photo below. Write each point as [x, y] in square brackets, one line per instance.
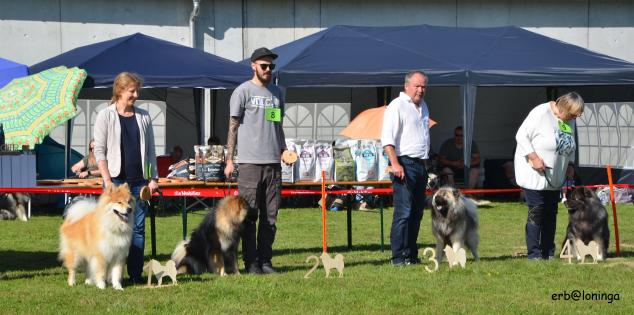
[357, 56]
[10, 70]
[161, 64]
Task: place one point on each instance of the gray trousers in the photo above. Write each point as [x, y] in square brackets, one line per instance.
[260, 185]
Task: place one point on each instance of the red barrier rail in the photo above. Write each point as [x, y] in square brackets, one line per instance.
[213, 192]
[219, 192]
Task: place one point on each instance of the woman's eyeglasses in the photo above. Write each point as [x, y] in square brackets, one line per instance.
[266, 66]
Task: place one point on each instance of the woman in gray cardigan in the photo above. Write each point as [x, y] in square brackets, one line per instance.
[124, 148]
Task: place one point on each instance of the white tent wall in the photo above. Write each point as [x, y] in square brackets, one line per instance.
[181, 119]
[499, 111]
[359, 99]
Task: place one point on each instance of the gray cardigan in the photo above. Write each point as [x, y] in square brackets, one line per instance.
[107, 134]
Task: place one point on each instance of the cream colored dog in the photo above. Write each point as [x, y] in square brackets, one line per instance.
[99, 234]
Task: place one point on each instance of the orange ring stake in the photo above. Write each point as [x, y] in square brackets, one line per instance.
[324, 243]
[616, 224]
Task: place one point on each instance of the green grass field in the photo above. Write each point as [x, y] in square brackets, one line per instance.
[32, 280]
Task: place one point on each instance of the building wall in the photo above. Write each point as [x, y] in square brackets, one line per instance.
[34, 30]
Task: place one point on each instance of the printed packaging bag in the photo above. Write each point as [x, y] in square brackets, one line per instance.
[365, 158]
[213, 169]
[306, 160]
[324, 160]
[199, 161]
[344, 162]
[383, 162]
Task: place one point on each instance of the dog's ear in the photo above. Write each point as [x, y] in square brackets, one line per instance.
[456, 193]
[110, 188]
[577, 194]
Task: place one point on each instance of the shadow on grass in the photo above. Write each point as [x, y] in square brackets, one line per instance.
[15, 260]
[344, 249]
[612, 254]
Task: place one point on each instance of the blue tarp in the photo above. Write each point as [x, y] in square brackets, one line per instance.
[50, 159]
[350, 56]
[10, 70]
[161, 64]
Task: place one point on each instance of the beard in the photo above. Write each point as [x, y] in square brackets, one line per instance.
[264, 77]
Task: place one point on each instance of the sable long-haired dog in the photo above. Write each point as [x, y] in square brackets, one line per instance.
[213, 245]
[454, 221]
[587, 221]
[13, 205]
[98, 233]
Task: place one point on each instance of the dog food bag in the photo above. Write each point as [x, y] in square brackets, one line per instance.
[344, 162]
[179, 170]
[191, 166]
[214, 163]
[199, 161]
[289, 171]
[366, 159]
[324, 160]
[306, 151]
[383, 174]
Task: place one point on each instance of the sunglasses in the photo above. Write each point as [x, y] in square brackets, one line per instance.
[266, 66]
[458, 136]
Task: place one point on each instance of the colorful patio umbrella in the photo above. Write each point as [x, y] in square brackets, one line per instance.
[31, 107]
[368, 124]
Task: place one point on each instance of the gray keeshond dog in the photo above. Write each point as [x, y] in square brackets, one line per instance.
[13, 205]
[454, 221]
[587, 220]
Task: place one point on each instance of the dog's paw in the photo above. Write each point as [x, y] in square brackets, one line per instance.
[89, 281]
[71, 283]
[101, 285]
[117, 286]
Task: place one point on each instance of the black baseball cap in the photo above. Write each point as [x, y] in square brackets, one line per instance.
[262, 52]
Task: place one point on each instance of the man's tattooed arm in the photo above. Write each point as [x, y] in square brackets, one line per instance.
[232, 137]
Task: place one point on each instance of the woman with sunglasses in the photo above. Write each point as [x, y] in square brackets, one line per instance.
[544, 158]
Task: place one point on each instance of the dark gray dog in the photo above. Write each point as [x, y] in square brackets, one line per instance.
[587, 221]
[454, 221]
[13, 205]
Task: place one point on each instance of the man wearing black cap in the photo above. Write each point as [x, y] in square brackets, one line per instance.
[255, 125]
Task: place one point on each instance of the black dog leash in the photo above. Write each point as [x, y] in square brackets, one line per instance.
[546, 176]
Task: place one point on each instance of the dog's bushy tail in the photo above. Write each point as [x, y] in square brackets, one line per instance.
[77, 210]
[180, 252]
[186, 263]
[6, 215]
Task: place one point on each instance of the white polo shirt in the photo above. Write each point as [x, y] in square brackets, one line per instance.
[406, 127]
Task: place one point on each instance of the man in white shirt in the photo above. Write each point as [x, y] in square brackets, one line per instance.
[405, 137]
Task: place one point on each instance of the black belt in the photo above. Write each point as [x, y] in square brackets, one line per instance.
[416, 160]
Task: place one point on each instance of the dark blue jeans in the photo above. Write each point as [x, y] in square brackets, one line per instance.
[541, 222]
[135, 256]
[409, 200]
